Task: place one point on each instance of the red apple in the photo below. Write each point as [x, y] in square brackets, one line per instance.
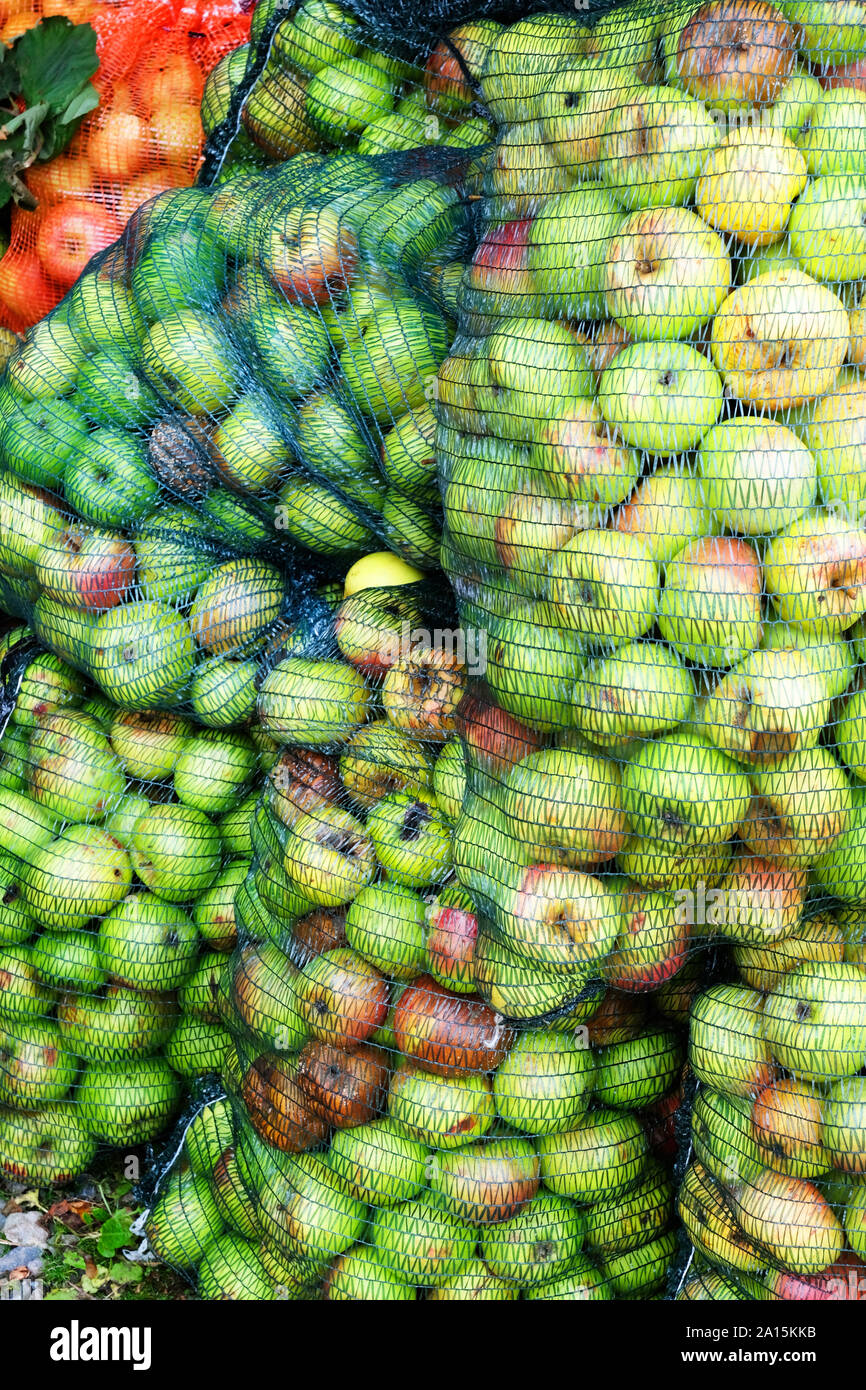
[652, 942]
[850, 75]
[25, 288]
[618, 1018]
[87, 567]
[70, 233]
[844, 1281]
[495, 739]
[500, 265]
[449, 1034]
[342, 998]
[451, 938]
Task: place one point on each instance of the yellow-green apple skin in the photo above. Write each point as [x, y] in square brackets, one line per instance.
[814, 1021]
[804, 803]
[640, 689]
[780, 339]
[661, 397]
[577, 102]
[815, 572]
[654, 146]
[849, 734]
[827, 232]
[667, 509]
[604, 585]
[567, 246]
[835, 142]
[710, 605]
[666, 273]
[836, 434]
[829, 31]
[770, 704]
[758, 475]
[791, 1219]
[727, 1049]
[749, 183]
[682, 790]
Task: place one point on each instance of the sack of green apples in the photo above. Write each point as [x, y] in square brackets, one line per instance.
[240, 385]
[123, 837]
[414, 1110]
[651, 436]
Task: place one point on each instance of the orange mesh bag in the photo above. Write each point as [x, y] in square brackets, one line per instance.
[144, 137]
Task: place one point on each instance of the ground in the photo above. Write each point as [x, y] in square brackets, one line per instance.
[76, 1239]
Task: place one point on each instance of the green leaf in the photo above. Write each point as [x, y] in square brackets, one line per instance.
[73, 1260]
[8, 74]
[61, 1295]
[114, 1233]
[87, 100]
[122, 1272]
[54, 60]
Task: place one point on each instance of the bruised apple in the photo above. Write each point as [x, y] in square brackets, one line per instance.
[345, 1088]
[446, 1033]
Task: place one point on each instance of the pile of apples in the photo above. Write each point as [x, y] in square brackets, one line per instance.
[123, 839]
[652, 442]
[413, 1110]
[201, 401]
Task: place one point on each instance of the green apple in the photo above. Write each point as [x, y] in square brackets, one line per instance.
[290, 344]
[815, 572]
[312, 702]
[531, 671]
[642, 688]
[758, 476]
[544, 1084]
[722, 1136]
[109, 482]
[214, 913]
[188, 359]
[69, 961]
[388, 371]
[827, 233]
[836, 434]
[179, 269]
[147, 943]
[263, 998]
[236, 605]
[421, 1241]
[625, 1221]
[379, 1163]
[661, 397]
[200, 993]
[835, 141]
[316, 518]
[604, 585]
[805, 804]
[104, 314]
[850, 734]
[234, 826]
[844, 1116]
[361, 1274]
[16, 923]
[23, 995]
[73, 771]
[274, 115]
[214, 770]
[318, 34]
[568, 241]
[48, 1145]
[685, 792]
[637, 1274]
[537, 1245]
[148, 745]
[521, 58]
[814, 1021]
[577, 457]
[346, 96]
[727, 1045]
[196, 1047]
[654, 145]
[578, 99]
[829, 32]
[127, 1102]
[183, 1220]
[444, 1112]
[249, 450]
[840, 869]
[121, 1023]
[176, 851]
[39, 439]
[642, 291]
[474, 1284]
[710, 607]
[385, 924]
[209, 1133]
[632, 1074]
[604, 1153]
[141, 654]
[234, 1202]
[449, 778]
[791, 1220]
[48, 361]
[24, 828]
[110, 391]
[666, 511]
[223, 692]
[29, 524]
[35, 1066]
[83, 873]
[230, 1271]
[770, 704]
[411, 838]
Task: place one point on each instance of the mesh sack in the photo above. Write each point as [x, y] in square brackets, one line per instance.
[650, 437]
[207, 425]
[123, 838]
[145, 136]
[415, 1113]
